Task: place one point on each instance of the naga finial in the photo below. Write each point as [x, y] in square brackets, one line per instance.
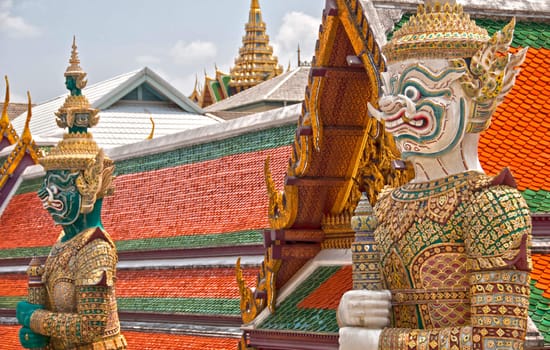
[26, 136]
[5, 120]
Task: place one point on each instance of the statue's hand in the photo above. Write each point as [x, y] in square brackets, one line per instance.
[31, 340]
[24, 312]
[365, 309]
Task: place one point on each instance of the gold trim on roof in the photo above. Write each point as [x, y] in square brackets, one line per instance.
[436, 31]
[25, 145]
[6, 129]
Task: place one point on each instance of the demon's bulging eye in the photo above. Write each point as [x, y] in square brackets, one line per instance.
[412, 93]
[54, 189]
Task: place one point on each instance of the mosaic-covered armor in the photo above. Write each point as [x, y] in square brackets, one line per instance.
[455, 259]
[453, 242]
[74, 306]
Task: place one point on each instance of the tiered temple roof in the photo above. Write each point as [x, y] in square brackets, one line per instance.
[255, 62]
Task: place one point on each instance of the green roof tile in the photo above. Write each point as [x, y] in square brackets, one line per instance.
[251, 142]
[240, 238]
[210, 306]
[289, 317]
[538, 201]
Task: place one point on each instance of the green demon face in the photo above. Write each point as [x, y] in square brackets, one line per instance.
[424, 108]
[60, 197]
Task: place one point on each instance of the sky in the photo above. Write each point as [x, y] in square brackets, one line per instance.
[178, 39]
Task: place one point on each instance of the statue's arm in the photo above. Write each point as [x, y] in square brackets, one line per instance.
[497, 236]
[94, 290]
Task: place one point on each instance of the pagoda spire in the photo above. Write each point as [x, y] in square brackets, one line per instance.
[255, 62]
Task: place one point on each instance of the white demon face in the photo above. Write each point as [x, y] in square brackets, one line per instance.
[423, 106]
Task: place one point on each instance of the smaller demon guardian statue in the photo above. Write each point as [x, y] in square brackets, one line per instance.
[80, 309]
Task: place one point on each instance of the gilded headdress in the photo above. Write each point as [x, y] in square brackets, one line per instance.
[78, 151]
[436, 31]
[444, 31]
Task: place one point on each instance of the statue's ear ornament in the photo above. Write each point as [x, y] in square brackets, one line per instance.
[491, 74]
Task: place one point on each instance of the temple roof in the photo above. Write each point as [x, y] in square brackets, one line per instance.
[286, 88]
[127, 102]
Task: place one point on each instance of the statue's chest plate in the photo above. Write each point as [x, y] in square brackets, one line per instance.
[423, 256]
[60, 275]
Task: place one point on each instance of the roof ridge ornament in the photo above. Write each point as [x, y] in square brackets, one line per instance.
[6, 128]
[5, 120]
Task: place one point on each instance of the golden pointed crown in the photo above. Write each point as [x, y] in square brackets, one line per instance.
[78, 151]
[74, 68]
[436, 31]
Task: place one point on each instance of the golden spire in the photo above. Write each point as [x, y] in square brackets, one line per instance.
[74, 70]
[255, 62]
[76, 104]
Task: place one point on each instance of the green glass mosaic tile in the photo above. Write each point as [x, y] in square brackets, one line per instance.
[208, 306]
[240, 238]
[289, 317]
[260, 140]
[532, 34]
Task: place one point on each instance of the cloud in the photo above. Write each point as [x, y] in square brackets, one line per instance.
[297, 29]
[193, 52]
[148, 59]
[14, 26]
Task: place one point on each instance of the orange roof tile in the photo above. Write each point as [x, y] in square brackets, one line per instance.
[520, 127]
[329, 293]
[13, 285]
[227, 194]
[9, 336]
[155, 341]
[182, 283]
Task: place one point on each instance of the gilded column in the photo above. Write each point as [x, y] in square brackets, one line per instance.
[365, 254]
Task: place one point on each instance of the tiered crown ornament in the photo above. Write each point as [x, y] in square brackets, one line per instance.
[444, 31]
[436, 31]
[78, 151]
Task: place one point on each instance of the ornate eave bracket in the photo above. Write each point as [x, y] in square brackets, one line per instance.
[283, 205]
[254, 301]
